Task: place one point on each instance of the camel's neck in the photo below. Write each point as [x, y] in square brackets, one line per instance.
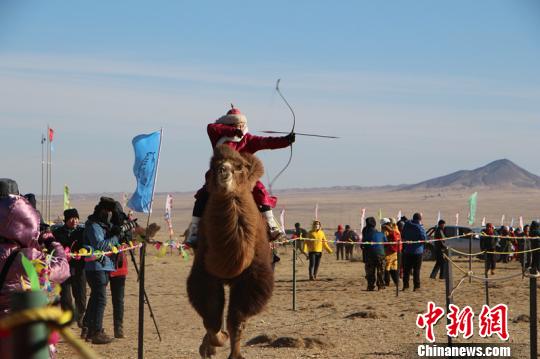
[230, 226]
[233, 215]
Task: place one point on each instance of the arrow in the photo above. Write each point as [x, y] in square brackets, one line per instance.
[300, 134]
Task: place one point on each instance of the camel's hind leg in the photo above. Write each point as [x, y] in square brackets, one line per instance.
[248, 296]
[207, 296]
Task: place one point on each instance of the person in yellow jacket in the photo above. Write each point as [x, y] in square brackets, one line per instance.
[314, 248]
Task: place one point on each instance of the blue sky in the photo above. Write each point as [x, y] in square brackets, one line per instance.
[415, 89]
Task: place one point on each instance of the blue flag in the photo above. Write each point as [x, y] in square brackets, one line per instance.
[145, 169]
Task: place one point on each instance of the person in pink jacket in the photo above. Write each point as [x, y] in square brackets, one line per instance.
[19, 233]
[231, 130]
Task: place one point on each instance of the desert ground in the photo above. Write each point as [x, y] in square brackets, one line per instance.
[335, 315]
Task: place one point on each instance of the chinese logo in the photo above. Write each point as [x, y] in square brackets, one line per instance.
[492, 320]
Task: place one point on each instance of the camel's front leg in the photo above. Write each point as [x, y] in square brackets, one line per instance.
[207, 296]
[248, 296]
[235, 331]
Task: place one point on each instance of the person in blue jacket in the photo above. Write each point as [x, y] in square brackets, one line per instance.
[98, 236]
[373, 253]
[413, 231]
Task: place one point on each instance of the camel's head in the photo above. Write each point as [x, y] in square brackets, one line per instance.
[231, 171]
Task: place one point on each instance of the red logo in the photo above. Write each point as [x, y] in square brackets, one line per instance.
[492, 320]
[429, 319]
[460, 321]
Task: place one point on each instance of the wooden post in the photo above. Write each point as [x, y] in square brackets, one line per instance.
[398, 270]
[294, 276]
[140, 348]
[486, 283]
[449, 284]
[533, 315]
[30, 341]
[470, 256]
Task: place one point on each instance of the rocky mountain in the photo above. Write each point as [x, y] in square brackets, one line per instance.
[500, 173]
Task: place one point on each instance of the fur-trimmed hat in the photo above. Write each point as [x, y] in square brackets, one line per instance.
[70, 213]
[233, 117]
[7, 187]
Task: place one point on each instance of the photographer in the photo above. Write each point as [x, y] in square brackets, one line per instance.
[97, 236]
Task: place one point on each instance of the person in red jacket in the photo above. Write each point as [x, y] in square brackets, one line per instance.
[232, 131]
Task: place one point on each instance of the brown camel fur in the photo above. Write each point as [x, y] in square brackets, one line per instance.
[233, 250]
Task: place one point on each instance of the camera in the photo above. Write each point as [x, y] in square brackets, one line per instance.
[128, 225]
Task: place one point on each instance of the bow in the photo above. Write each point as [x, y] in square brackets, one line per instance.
[292, 131]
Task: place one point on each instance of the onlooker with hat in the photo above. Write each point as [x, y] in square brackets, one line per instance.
[19, 233]
[298, 234]
[350, 237]
[505, 244]
[232, 130]
[413, 231]
[488, 243]
[7, 187]
[391, 231]
[524, 244]
[340, 246]
[314, 246]
[439, 249]
[373, 254]
[534, 232]
[98, 237]
[70, 236]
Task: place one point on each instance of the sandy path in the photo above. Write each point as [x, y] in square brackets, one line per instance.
[322, 310]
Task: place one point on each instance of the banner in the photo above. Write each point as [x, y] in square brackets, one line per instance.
[282, 219]
[147, 149]
[168, 214]
[362, 220]
[66, 197]
[472, 208]
[124, 200]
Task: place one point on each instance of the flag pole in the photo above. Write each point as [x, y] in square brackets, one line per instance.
[48, 180]
[140, 348]
[42, 172]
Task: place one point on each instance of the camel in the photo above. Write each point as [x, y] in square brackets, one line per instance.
[233, 250]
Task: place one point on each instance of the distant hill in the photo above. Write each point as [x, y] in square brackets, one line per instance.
[500, 173]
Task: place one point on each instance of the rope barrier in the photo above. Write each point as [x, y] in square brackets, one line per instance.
[492, 252]
[55, 318]
[483, 279]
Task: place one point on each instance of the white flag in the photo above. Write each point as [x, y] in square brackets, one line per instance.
[168, 214]
[502, 220]
[438, 217]
[399, 215]
[521, 222]
[282, 219]
[168, 207]
[316, 211]
[484, 222]
[457, 219]
[512, 222]
[362, 219]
